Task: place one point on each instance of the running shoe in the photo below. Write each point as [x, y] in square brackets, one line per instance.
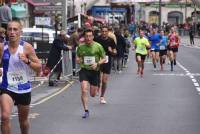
[85, 115]
[102, 100]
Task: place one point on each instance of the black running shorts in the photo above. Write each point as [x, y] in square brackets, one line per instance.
[18, 99]
[91, 76]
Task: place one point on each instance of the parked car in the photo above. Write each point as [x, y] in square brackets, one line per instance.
[38, 34]
[40, 38]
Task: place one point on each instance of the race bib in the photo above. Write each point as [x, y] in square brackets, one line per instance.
[107, 59]
[173, 44]
[89, 60]
[162, 47]
[141, 49]
[152, 49]
[18, 77]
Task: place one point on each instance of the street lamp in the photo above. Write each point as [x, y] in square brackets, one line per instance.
[185, 10]
[160, 12]
[85, 10]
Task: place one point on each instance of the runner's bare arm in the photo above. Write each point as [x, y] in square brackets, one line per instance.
[30, 56]
[1, 52]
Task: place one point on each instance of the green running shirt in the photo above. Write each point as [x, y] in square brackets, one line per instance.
[140, 44]
[90, 54]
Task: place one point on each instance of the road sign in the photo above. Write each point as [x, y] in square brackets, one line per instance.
[49, 8]
[43, 21]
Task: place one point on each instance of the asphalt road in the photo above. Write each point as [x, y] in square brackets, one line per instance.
[162, 102]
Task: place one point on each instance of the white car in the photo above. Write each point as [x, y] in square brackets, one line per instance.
[38, 34]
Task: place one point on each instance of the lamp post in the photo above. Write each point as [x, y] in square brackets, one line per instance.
[85, 10]
[185, 10]
[160, 12]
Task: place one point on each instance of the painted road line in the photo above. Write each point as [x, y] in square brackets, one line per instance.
[194, 80]
[53, 95]
[178, 74]
[191, 76]
[198, 89]
[196, 84]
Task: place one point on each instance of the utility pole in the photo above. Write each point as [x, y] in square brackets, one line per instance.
[185, 10]
[64, 14]
[160, 12]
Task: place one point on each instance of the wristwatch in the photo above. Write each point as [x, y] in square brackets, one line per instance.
[29, 62]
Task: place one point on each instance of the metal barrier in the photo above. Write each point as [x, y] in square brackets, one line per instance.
[67, 64]
[66, 60]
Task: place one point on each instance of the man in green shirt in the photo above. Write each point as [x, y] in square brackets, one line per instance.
[90, 55]
[141, 44]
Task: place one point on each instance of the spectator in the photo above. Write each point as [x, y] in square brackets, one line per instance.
[191, 35]
[5, 14]
[2, 34]
[55, 56]
[74, 41]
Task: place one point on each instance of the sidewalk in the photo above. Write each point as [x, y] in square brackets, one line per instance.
[185, 40]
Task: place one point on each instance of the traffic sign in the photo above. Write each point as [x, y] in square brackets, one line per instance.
[49, 8]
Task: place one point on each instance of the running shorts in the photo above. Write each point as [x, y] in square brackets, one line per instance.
[18, 99]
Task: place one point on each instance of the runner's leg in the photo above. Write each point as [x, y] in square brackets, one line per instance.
[23, 112]
[6, 110]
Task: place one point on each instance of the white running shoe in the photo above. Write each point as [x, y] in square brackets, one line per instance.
[102, 100]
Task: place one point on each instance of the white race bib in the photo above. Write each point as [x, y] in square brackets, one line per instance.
[173, 44]
[18, 77]
[162, 47]
[107, 59]
[89, 60]
[141, 48]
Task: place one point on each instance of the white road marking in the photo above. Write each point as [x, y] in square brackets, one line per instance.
[187, 73]
[191, 75]
[196, 84]
[194, 80]
[198, 89]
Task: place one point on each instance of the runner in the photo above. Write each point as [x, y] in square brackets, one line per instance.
[141, 44]
[174, 41]
[154, 39]
[163, 49]
[17, 57]
[110, 49]
[90, 56]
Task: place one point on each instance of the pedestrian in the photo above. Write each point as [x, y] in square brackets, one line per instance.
[90, 56]
[191, 35]
[17, 57]
[5, 14]
[141, 45]
[54, 57]
[105, 69]
[74, 42]
[2, 34]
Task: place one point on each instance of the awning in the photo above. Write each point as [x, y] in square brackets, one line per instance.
[18, 11]
[37, 3]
